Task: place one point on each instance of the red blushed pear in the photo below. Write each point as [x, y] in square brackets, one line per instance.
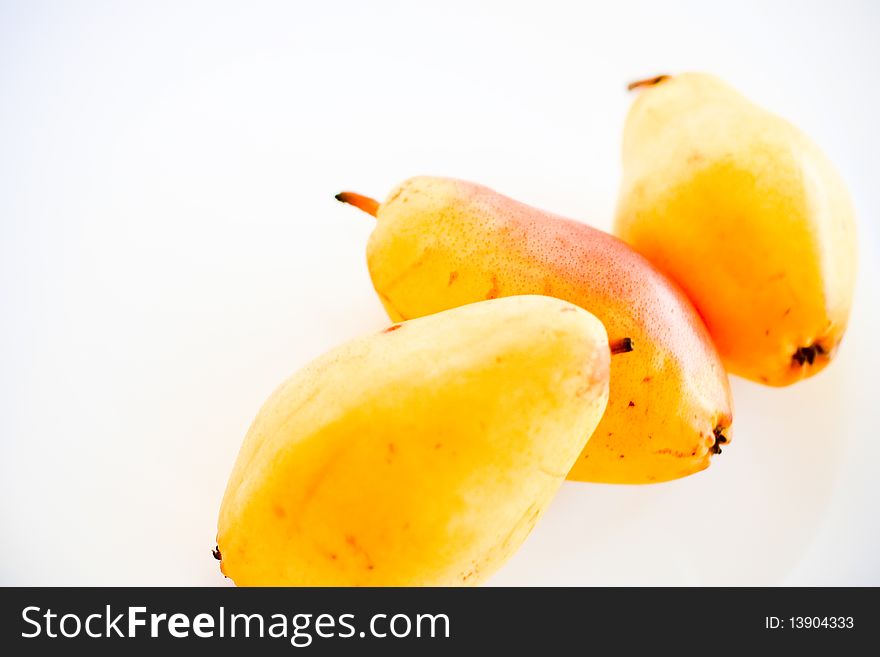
[441, 243]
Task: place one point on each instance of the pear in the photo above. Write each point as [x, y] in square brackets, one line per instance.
[419, 455]
[748, 216]
[439, 243]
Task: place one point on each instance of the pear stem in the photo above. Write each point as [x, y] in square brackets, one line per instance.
[647, 82]
[621, 346]
[365, 203]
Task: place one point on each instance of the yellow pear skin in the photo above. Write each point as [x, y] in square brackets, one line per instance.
[419, 455]
[747, 215]
[441, 242]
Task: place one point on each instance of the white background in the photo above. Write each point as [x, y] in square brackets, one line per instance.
[170, 250]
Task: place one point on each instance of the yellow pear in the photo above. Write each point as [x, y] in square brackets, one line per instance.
[419, 455]
[440, 243]
[748, 216]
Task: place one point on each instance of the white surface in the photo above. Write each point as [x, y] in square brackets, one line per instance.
[171, 250]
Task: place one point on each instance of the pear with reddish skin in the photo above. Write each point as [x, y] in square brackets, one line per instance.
[441, 243]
